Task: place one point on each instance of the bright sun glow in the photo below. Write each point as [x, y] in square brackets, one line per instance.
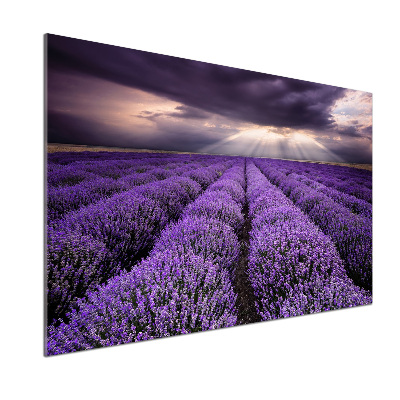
[261, 133]
[302, 138]
[262, 142]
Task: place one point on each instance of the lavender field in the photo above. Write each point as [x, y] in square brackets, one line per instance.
[148, 245]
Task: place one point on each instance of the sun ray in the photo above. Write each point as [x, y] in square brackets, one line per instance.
[262, 142]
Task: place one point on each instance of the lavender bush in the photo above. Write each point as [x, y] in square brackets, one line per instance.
[126, 224]
[294, 268]
[165, 295]
[147, 245]
[351, 233]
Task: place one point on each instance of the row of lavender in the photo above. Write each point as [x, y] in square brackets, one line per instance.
[302, 174]
[293, 267]
[65, 158]
[351, 181]
[351, 233]
[59, 175]
[88, 246]
[84, 167]
[106, 296]
[92, 188]
[183, 286]
[83, 182]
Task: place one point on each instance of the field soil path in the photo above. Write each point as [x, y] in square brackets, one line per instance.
[246, 308]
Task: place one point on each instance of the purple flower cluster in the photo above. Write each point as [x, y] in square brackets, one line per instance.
[61, 200]
[71, 169]
[125, 224]
[166, 295]
[183, 286]
[75, 264]
[293, 267]
[354, 204]
[351, 181]
[124, 229]
[207, 175]
[209, 238]
[232, 182]
[223, 199]
[173, 194]
[58, 176]
[351, 233]
[207, 225]
[146, 245]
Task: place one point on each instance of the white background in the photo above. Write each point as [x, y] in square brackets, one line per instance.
[348, 354]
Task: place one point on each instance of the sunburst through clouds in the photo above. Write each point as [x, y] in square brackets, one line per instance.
[146, 100]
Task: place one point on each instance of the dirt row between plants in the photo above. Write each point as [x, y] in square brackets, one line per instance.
[245, 303]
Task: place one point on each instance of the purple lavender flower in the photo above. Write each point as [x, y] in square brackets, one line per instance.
[165, 295]
[208, 238]
[293, 267]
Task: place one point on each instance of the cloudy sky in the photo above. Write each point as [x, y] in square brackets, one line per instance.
[112, 96]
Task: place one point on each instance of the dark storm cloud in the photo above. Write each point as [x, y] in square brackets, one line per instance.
[367, 131]
[188, 112]
[183, 138]
[68, 128]
[149, 115]
[349, 149]
[350, 130]
[353, 154]
[356, 131]
[183, 112]
[242, 95]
